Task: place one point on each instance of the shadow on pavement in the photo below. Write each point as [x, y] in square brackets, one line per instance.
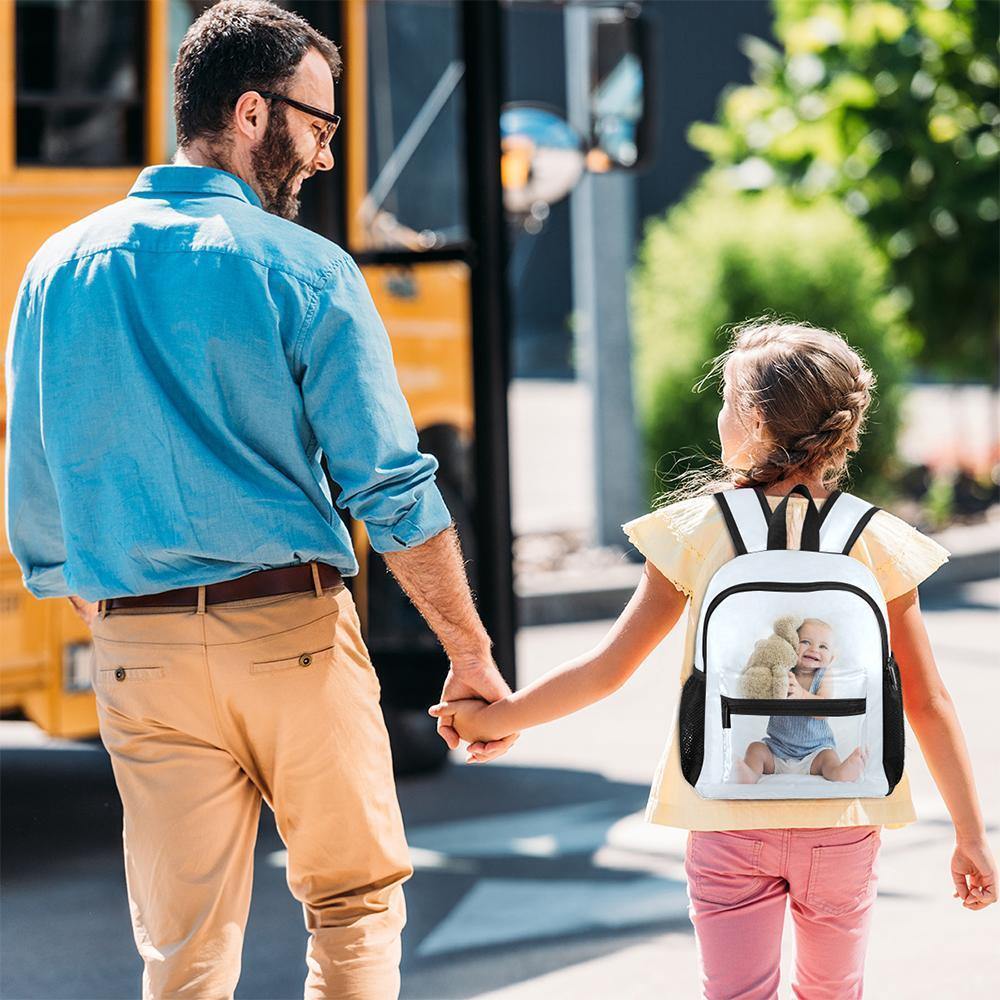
[509, 883]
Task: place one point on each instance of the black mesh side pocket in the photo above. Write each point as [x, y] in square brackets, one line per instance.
[692, 726]
[893, 736]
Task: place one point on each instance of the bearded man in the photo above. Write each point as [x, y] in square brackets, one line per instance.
[179, 363]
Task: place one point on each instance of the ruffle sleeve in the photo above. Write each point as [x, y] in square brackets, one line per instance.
[900, 556]
[675, 539]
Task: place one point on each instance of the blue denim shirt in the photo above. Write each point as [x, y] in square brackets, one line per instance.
[177, 364]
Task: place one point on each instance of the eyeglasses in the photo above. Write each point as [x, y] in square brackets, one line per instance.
[332, 120]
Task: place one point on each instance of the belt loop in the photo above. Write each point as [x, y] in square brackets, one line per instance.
[102, 608]
[201, 600]
[317, 583]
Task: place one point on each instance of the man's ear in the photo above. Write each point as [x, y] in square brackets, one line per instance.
[250, 116]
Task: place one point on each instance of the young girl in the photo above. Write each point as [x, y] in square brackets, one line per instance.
[795, 399]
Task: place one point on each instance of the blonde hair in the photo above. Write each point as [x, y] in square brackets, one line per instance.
[814, 621]
[812, 391]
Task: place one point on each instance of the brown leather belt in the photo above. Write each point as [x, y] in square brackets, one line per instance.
[263, 583]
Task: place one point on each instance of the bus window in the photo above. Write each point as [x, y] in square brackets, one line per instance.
[415, 191]
[80, 82]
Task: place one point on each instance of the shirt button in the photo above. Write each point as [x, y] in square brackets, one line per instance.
[120, 674]
[305, 659]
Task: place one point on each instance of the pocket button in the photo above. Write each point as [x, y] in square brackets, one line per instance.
[305, 659]
[119, 673]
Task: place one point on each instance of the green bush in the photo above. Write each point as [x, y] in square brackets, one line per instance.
[722, 256]
[892, 108]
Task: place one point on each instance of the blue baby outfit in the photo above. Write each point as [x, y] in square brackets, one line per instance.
[792, 737]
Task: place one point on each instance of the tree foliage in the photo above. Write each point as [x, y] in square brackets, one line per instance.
[723, 256]
[893, 108]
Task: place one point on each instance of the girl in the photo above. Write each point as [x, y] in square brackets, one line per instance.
[795, 399]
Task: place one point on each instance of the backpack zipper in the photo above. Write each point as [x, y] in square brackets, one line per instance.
[781, 587]
[833, 707]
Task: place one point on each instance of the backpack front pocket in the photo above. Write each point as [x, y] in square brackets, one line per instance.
[790, 732]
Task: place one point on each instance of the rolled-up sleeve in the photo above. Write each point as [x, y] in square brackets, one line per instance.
[33, 523]
[361, 419]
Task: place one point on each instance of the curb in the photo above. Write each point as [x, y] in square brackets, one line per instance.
[561, 598]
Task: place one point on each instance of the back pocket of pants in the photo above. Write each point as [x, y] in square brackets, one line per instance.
[126, 673]
[305, 659]
[723, 867]
[840, 875]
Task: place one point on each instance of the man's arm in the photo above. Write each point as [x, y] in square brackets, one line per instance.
[362, 421]
[434, 579]
[33, 521]
[433, 576]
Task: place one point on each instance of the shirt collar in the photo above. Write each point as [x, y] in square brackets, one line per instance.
[187, 179]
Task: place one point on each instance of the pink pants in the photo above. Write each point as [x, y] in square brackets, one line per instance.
[737, 884]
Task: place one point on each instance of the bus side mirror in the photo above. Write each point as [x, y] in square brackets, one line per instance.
[621, 116]
[541, 160]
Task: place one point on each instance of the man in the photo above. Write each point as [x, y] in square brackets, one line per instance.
[178, 363]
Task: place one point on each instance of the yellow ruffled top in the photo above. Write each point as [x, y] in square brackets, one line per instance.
[687, 542]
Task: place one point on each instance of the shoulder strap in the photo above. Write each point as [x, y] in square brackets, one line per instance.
[843, 522]
[747, 515]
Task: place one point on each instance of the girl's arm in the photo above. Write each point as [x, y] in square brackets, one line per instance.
[932, 717]
[650, 614]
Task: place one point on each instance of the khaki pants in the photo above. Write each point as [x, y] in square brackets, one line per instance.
[206, 713]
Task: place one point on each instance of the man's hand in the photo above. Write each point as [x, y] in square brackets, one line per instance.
[472, 678]
[87, 610]
[433, 576]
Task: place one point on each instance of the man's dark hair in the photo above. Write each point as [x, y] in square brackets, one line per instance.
[236, 46]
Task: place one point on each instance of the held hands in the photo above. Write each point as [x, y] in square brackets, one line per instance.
[470, 718]
[473, 677]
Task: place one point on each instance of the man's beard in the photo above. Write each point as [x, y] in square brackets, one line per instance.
[276, 168]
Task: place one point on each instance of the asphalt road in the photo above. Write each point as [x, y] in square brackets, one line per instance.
[535, 876]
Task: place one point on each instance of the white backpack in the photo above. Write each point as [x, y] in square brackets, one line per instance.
[793, 654]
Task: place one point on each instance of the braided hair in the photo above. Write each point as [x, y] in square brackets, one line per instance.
[810, 391]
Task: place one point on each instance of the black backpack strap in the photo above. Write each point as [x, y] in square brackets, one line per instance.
[753, 526]
[777, 529]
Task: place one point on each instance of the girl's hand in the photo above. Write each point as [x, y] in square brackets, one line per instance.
[974, 873]
[469, 717]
